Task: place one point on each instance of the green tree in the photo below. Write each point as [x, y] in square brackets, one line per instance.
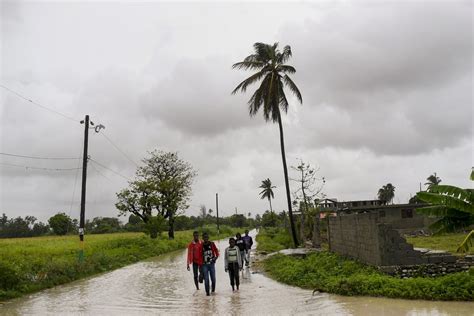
[269, 219]
[163, 184]
[269, 62]
[432, 180]
[103, 225]
[155, 226]
[453, 206]
[309, 188]
[267, 191]
[61, 224]
[386, 193]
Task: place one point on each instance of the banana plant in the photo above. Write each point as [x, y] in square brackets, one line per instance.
[454, 206]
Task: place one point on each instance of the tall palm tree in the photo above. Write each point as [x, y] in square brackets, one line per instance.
[432, 180]
[269, 63]
[267, 192]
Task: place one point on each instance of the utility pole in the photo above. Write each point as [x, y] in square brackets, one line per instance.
[83, 192]
[217, 211]
[85, 158]
[236, 211]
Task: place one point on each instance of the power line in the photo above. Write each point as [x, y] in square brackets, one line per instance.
[37, 168]
[98, 172]
[74, 189]
[116, 147]
[111, 170]
[35, 157]
[39, 105]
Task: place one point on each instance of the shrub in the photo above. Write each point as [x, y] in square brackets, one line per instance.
[331, 273]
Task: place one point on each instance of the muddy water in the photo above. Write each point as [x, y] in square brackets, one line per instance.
[163, 286]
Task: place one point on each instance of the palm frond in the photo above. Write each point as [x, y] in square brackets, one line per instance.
[283, 101]
[467, 243]
[286, 69]
[263, 51]
[250, 80]
[267, 187]
[285, 55]
[290, 84]
[246, 65]
[446, 200]
[452, 191]
[258, 97]
[254, 58]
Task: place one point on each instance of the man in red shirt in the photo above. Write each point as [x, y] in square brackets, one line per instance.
[195, 257]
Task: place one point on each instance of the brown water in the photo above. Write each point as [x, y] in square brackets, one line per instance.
[162, 285]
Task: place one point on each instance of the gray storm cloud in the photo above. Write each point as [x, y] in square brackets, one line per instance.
[387, 91]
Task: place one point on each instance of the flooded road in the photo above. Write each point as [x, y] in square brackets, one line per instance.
[162, 285]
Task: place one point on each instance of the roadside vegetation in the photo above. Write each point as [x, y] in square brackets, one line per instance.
[328, 272]
[32, 264]
[273, 239]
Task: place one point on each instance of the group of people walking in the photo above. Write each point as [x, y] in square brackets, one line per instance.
[203, 254]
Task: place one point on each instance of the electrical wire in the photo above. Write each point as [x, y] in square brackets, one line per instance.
[39, 105]
[98, 172]
[107, 168]
[116, 147]
[37, 168]
[74, 189]
[35, 157]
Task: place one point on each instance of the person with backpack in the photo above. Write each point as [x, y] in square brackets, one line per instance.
[233, 263]
[239, 242]
[248, 241]
[210, 253]
[195, 258]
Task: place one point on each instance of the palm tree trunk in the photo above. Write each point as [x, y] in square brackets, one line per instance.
[270, 200]
[287, 184]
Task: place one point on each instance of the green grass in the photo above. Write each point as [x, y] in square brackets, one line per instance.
[273, 239]
[32, 264]
[328, 272]
[448, 242]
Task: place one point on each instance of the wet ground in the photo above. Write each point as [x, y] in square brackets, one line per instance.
[162, 285]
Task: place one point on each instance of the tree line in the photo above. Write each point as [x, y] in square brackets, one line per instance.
[62, 224]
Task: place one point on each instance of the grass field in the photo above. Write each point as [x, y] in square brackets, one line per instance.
[448, 242]
[328, 272]
[31, 264]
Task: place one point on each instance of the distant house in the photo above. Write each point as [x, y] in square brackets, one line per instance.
[334, 205]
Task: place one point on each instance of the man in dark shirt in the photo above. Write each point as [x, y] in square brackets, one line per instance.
[210, 253]
[248, 241]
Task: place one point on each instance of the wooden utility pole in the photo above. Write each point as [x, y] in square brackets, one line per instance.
[83, 192]
[217, 211]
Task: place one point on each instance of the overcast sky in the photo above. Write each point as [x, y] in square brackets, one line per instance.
[386, 85]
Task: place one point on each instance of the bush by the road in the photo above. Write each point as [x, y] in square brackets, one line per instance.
[31, 264]
[328, 272]
[273, 239]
